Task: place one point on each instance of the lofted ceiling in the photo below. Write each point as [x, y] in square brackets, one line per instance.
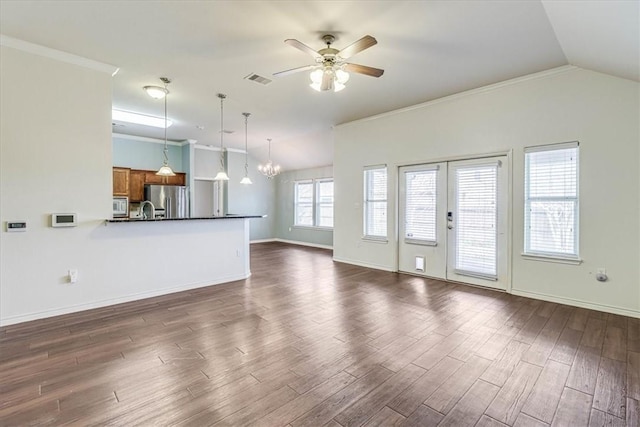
[428, 49]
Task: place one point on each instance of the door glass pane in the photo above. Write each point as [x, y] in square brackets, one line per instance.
[476, 222]
[420, 205]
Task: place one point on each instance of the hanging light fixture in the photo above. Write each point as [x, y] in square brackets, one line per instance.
[158, 92]
[269, 170]
[222, 175]
[246, 180]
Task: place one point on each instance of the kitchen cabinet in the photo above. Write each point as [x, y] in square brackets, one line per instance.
[152, 178]
[130, 182]
[136, 186]
[121, 181]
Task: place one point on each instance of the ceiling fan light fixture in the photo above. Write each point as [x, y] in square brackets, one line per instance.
[316, 76]
[341, 76]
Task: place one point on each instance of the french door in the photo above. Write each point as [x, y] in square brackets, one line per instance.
[453, 221]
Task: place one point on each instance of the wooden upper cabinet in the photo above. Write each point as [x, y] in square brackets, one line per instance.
[136, 186]
[121, 181]
[152, 178]
[130, 182]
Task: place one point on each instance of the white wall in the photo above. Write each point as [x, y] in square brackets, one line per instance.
[600, 111]
[285, 193]
[258, 198]
[55, 156]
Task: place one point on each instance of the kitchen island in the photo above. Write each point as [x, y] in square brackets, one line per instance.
[133, 259]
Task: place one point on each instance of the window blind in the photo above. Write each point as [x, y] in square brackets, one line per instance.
[324, 193]
[551, 200]
[476, 221]
[375, 203]
[303, 205]
[420, 206]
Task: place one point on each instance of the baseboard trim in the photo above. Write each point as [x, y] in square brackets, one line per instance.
[294, 242]
[577, 303]
[262, 241]
[12, 320]
[364, 264]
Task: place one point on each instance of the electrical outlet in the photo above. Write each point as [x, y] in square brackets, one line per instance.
[238, 252]
[73, 275]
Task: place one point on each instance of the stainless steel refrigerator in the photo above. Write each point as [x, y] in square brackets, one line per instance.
[169, 201]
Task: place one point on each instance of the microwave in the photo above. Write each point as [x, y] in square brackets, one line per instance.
[120, 207]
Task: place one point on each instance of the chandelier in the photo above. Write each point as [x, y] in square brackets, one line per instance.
[269, 170]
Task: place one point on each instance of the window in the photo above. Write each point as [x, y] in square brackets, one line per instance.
[313, 204]
[324, 203]
[375, 202]
[420, 206]
[303, 203]
[551, 201]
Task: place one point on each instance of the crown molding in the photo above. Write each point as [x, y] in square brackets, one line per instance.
[58, 55]
[535, 76]
[214, 148]
[147, 139]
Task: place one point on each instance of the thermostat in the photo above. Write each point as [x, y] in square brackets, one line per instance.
[63, 220]
[13, 226]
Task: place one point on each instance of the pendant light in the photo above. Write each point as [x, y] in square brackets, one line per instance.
[269, 170]
[157, 92]
[222, 175]
[246, 180]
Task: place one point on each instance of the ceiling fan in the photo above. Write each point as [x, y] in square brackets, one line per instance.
[331, 71]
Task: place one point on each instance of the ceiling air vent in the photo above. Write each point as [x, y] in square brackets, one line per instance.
[258, 79]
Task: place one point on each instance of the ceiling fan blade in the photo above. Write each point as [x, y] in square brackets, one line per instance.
[294, 70]
[303, 47]
[363, 69]
[357, 46]
[327, 81]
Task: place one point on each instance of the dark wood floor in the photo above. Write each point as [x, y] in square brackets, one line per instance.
[309, 342]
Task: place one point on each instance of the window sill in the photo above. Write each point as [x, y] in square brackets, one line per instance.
[548, 258]
[374, 239]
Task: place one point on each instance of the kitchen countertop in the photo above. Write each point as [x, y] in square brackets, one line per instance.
[128, 220]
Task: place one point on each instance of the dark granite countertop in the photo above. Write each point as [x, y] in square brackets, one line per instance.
[134, 220]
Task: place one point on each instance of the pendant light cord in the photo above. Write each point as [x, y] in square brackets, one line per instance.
[222, 97]
[246, 150]
[166, 150]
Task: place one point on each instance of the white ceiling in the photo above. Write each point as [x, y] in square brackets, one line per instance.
[428, 49]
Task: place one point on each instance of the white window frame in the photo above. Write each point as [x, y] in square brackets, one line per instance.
[369, 202]
[315, 203]
[573, 258]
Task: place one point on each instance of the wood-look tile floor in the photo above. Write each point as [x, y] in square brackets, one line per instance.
[309, 342]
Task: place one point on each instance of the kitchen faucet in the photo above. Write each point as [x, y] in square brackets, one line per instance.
[142, 213]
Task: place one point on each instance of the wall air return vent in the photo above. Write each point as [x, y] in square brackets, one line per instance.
[258, 79]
